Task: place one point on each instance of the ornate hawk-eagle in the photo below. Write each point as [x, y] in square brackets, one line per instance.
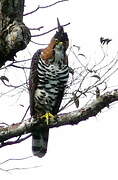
[48, 77]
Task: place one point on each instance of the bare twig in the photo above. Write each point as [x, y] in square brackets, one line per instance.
[34, 29]
[15, 159]
[39, 43]
[19, 168]
[19, 140]
[42, 7]
[32, 11]
[48, 31]
[15, 62]
[25, 114]
[20, 67]
[13, 86]
[53, 4]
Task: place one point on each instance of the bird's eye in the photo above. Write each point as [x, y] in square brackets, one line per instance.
[56, 40]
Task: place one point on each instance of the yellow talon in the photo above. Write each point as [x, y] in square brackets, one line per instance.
[48, 116]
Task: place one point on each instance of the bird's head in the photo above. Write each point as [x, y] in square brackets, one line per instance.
[59, 42]
[61, 38]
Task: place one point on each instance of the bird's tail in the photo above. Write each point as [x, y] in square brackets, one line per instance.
[40, 142]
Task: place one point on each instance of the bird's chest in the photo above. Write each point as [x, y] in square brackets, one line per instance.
[47, 87]
[50, 81]
[52, 74]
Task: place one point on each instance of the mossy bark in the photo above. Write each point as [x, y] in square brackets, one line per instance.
[14, 35]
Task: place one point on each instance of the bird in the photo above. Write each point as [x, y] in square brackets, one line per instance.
[48, 78]
[103, 40]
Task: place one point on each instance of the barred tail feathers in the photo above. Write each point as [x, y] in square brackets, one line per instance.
[40, 142]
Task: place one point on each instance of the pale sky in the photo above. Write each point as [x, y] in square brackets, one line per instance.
[88, 150]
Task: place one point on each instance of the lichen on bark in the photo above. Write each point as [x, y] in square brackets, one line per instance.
[14, 35]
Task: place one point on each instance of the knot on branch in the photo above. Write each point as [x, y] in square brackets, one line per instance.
[17, 37]
[13, 39]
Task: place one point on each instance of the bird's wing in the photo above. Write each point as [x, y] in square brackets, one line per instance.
[58, 101]
[33, 80]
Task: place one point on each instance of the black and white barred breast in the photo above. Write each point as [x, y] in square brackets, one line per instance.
[51, 79]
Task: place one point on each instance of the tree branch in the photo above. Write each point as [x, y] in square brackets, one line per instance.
[19, 140]
[42, 7]
[48, 31]
[71, 118]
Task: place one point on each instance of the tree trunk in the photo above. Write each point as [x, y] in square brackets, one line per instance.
[14, 35]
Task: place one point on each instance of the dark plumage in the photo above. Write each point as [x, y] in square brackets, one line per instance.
[48, 77]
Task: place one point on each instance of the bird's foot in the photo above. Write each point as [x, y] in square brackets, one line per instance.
[48, 117]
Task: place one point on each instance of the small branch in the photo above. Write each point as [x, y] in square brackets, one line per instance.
[3, 123]
[12, 86]
[32, 11]
[25, 114]
[42, 7]
[38, 43]
[70, 118]
[19, 140]
[15, 62]
[48, 31]
[14, 169]
[20, 67]
[15, 159]
[34, 29]
[52, 4]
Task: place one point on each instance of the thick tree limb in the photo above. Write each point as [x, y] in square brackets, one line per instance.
[71, 118]
[14, 35]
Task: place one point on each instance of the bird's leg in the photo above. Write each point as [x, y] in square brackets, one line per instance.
[48, 117]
